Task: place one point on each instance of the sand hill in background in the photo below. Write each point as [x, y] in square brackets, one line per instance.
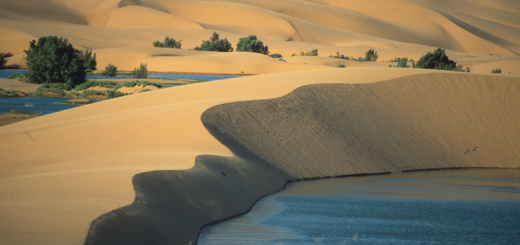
[63, 174]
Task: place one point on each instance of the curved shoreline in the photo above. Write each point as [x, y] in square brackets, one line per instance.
[392, 126]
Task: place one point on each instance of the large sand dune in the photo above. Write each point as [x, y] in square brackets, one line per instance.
[63, 174]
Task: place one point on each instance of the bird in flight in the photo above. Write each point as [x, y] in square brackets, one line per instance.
[472, 149]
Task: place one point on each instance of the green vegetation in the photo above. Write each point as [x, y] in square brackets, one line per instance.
[11, 93]
[21, 112]
[252, 44]
[371, 55]
[87, 93]
[313, 52]
[439, 61]
[403, 62]
[145, 90]
[497, 70]
[77, 102]
[168, 43]
[141, 72]
[54, 60]
[52, 90]
[110, 70]
[16, 76]
[3, 57]
[114, 94]
[340, 66]
[215, 44]
[89, 60]
[338, 56]
[276, 56]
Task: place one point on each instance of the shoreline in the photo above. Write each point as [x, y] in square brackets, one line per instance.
[264, 163]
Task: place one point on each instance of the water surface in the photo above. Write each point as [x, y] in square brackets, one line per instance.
[433, 207]
[40, 105]
[6, 73]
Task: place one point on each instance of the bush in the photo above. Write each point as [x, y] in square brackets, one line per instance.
[371, 55]
[252, 44]
[338, 56]
[168, 43]
[438, 60]
[88, 92]
[313, 52]
[341, 66]
[145, 90]
[110, 70]
[403, 62]
[276, 56]
[3, 57]
[114, 94]
[141, 72]
[58, 88]
[15, 76]
[54, 60]
[215, 44]
[498, 70]
[89, 60]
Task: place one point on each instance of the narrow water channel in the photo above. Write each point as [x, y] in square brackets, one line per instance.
[432, 207]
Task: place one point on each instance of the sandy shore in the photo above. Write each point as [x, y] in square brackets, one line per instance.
[212, 149]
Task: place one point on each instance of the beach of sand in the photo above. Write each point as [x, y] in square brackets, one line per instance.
[74, 176]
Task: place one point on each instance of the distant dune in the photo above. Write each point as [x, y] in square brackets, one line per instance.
[211, 150]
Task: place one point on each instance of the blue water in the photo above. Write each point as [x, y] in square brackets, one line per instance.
[41, 105]
[6, 73]
[435, 207]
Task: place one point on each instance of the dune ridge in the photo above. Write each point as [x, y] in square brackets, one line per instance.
[419, 122]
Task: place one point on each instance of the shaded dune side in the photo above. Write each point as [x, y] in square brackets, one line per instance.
[414, 123]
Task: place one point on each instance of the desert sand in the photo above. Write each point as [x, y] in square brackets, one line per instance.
[211, 150]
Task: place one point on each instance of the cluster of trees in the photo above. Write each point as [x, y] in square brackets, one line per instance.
[313, 52]
[370, 55]
[215, 44]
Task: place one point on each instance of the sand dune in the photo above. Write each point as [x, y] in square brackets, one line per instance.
[413, 123]
[61, 172]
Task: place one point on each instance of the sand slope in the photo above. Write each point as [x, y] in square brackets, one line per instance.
[414, 123]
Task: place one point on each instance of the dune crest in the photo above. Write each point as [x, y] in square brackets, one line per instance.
[420, 122]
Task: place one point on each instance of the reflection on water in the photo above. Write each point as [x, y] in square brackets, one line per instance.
[433, 207]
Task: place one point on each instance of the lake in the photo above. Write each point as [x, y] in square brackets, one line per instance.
[6, 73]
[431, 207]
[41, 105]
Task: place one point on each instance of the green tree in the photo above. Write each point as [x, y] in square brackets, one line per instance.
[54, 60]
[497, 70]
[215, 44]
[437, 60]
[110, 70]
[403, 62]
[168, 43]
[141, 72]
[371, 55]
[3, 60]
[252, 44]
[89, 59]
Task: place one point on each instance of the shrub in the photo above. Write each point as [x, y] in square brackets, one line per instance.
[438, 60]
[15, 76]
[338, 56]
[110, 70]
[313, 52]
[141, 72]
[215, 44]
[498, 70]
[341, 66]
[276, 56]
[403, 62]
[145, 90]
[371, 55]
[3, 57]
[54, 60]
[58, 88]
[168, 43]
[114, 94]
[89, 92]
[252, 44]
[89, 60]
